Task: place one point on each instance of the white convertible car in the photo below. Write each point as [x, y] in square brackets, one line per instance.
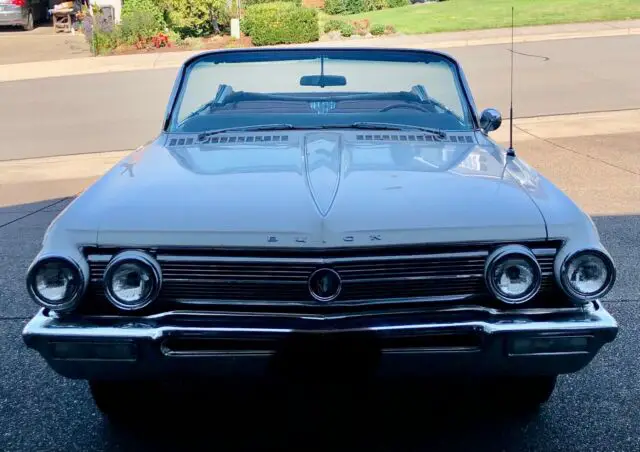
[313, 209]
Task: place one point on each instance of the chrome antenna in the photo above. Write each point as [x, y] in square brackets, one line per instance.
[511, 152]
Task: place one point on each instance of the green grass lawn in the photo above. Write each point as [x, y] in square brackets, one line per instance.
[457, 15]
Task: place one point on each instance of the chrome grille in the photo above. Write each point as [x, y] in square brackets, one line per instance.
[206, 279]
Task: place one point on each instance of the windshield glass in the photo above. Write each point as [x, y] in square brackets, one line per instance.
[321, 88]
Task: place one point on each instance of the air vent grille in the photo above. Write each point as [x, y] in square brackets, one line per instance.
[229, 139]
[246, 139]
[420, 138]
[181, 141]
[235, 139]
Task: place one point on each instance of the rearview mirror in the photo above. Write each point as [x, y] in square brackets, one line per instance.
[490, 120]
[323, 80]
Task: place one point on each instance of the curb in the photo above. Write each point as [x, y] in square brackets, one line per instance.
[138, 62]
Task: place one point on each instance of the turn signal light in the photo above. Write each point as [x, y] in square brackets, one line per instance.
[547, 345]
[117, 351]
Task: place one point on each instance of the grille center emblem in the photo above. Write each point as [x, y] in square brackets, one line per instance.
[325, 284]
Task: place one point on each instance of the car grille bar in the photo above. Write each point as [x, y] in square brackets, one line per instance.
[212, 279]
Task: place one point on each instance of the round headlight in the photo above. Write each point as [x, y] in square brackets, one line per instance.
[513, 274]
[587, 275]
[56, 283]
[132, 280]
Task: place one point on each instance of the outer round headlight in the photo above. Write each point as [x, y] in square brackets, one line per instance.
[513, 274]
[132, 280]
[56, 283]
[587, 275]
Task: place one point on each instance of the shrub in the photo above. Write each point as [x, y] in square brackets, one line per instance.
[99, 33]
[161, 40]
[281, 23]
[103, 42]
[139, 27]
[346, 29]
[361, 27]
[355, 6]
[332, 25]
[191, 18]
[335, 7]
[374, 5]
[377, 29]
[193, 43]
[151, 7]
[175, 38]
[246, 3]
[397, 3]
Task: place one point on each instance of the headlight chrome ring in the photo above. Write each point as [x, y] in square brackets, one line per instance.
[136, 273]
[521, 263]
[62, 277]
[574, 293]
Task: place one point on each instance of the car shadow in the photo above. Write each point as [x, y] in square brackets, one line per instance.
[322, 416]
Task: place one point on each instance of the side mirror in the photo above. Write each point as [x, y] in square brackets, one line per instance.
[490, 120]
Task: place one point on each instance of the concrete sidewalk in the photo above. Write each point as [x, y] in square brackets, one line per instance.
[95, 65]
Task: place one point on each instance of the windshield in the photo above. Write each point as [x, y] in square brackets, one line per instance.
[321, 88]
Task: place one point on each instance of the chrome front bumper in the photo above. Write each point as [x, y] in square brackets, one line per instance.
[454, 341]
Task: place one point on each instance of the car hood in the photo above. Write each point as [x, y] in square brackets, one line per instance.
[324, 189]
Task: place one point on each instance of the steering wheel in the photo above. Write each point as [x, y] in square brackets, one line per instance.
[414, 107]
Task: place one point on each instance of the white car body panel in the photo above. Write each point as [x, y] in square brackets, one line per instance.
[318, 190]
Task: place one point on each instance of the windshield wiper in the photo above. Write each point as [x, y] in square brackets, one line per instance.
[208, 133]
[387, 126]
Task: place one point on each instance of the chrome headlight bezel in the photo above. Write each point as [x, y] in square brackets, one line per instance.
[139, 258]
[71, 302]
[505, 252]
[580, 297]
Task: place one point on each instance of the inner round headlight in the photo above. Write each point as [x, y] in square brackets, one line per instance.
[513, 274]
[55, 283]
[132, 280]
[587, 275]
